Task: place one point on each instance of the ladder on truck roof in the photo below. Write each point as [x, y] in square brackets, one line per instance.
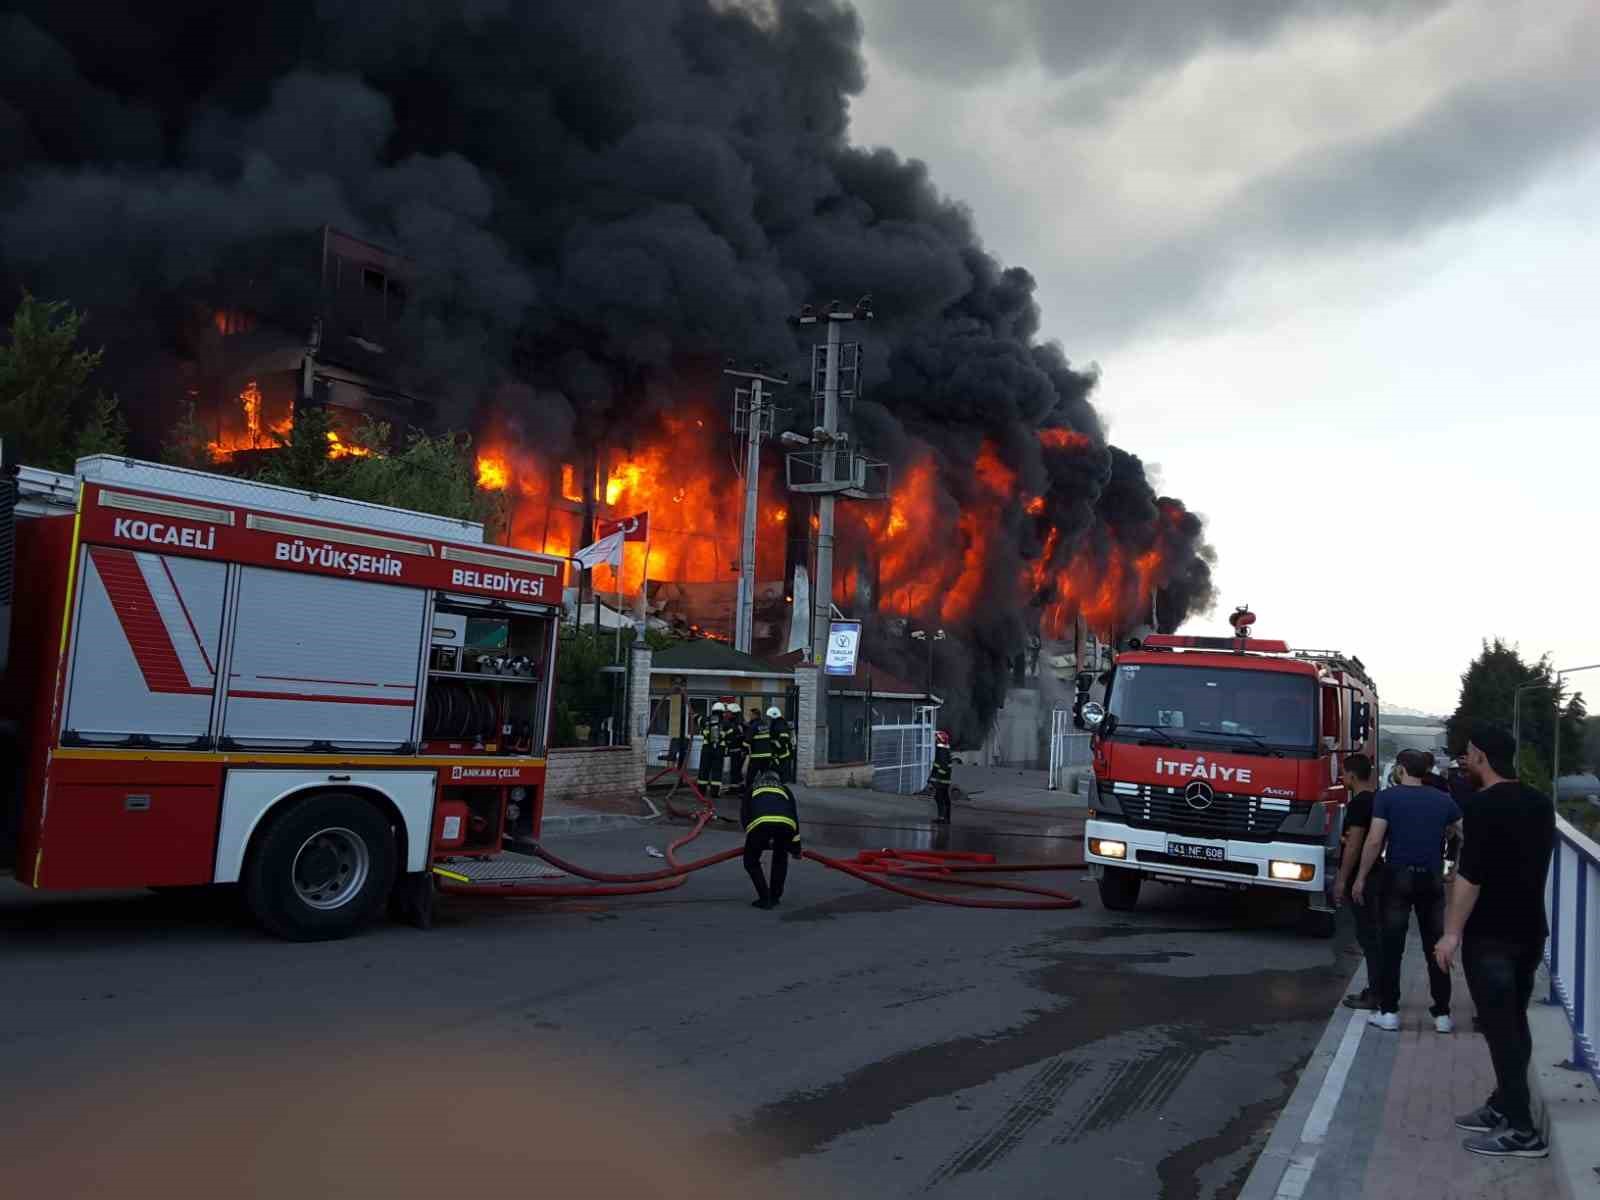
[1338, 660]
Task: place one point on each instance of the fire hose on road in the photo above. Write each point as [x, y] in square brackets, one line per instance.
[880, 868]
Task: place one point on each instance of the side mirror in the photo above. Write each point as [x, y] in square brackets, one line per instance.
[1094, 715]
[1330, 744]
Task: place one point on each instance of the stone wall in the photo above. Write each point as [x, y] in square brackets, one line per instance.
[607, 778]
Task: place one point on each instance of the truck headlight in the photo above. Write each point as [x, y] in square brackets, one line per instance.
[1291, 872]
[1106, 848]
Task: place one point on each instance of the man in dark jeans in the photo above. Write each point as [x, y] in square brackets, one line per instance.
[1497, 922]
[1358, 777]
[1413, 819]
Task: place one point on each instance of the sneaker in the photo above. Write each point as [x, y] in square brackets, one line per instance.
[1443, 1024]
[1506, 1142]
[1387, 1021]
[1484, 1120]
[762, 904]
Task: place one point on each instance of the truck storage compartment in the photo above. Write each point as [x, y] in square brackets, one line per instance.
[319, 660]
[144, 659]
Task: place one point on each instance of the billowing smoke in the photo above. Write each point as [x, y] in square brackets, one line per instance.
[600, 199]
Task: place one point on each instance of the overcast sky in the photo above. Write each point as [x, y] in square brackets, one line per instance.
[1340, 266]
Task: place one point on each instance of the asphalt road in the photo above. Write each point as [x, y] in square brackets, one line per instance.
[853, 1041]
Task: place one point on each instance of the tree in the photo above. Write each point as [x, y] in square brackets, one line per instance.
[301, 459]
[104, 432]
[1489, 688]
[43, 377]
[431, 474]
[185, 444]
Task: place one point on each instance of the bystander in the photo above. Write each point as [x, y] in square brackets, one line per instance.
[1411, 821]
[1496, 921]
[1358, 781]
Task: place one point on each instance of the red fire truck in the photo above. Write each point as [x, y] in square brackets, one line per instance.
[1218, 762]
[216, 681]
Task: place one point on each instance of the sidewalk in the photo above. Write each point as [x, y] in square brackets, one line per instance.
[1373, 1115]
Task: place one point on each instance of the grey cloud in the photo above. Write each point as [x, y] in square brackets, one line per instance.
[959, 39]
[1481, 145]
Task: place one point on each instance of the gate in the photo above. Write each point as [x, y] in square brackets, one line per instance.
[902, 755]
[1069, 747]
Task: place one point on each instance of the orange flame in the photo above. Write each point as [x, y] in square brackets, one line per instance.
[338, 448]
[1063, 439]
[253, 436]
[494, 473]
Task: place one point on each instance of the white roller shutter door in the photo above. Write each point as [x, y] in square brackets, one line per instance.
[318, 659]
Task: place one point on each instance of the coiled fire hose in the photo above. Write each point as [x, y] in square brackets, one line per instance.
[870, 866]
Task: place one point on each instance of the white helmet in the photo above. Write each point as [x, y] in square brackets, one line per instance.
[717, 706]
[774, 711]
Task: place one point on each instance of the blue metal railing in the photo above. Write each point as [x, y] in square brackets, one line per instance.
[1572, 900]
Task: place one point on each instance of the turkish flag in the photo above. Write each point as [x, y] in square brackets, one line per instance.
[634, 529]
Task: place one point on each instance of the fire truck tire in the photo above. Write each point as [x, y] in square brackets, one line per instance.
[1119, 889]
[1317, 923]
[321, 868]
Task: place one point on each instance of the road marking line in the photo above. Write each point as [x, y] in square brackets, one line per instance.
[1298, 1173]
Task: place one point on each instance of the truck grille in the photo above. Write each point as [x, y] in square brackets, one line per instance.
[1230, 814]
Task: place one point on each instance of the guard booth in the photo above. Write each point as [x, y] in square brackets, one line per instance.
[686, 679]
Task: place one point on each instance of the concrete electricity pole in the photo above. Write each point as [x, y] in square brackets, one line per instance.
[752, 417]
[826, 437]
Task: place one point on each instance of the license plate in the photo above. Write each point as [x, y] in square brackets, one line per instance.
[1197, 851]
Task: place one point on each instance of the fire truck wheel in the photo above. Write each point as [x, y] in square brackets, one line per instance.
[320, 869]
[1316, 923]
[1119, 889]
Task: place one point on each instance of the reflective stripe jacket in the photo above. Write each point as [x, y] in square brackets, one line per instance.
[782, 740]
[760, 744]
[733, 736]
[941, 765]
[773, 804]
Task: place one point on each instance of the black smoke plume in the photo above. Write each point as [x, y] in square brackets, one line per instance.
[594, 195]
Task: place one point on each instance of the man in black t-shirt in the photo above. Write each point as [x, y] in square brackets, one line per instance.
[1496, 920]
[1358, 777]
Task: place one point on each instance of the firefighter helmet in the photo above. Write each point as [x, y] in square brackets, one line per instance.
[942, 737]
[768, 779]
[774, 712]
[717, 707]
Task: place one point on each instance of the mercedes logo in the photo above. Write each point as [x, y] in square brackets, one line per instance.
[1199, 794]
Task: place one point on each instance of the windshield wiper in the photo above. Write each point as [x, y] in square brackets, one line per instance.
[1156, 729]
[1270, 749]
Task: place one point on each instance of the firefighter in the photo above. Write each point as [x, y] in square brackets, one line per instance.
[940, 776]
[758, 734]
[782, 743]
[771, 822]
[736, 744]
[710, 777]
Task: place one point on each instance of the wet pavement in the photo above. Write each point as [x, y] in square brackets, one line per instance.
[853, 1041]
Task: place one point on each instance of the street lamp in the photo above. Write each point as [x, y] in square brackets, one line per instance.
[1516, 716]
[930, 637]
[1555, 753]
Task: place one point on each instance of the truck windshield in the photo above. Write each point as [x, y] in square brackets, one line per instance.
[1247, 710]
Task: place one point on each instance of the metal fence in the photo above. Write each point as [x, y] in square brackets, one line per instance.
[1069, 747]
[1572, 900]
[902, 755]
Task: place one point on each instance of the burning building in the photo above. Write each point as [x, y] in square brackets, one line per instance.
[559, 220]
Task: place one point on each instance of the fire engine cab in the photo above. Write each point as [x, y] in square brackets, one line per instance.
[1218, 762]
[217, 681]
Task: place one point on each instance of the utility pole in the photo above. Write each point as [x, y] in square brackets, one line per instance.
[826, 438]
[752, 417]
